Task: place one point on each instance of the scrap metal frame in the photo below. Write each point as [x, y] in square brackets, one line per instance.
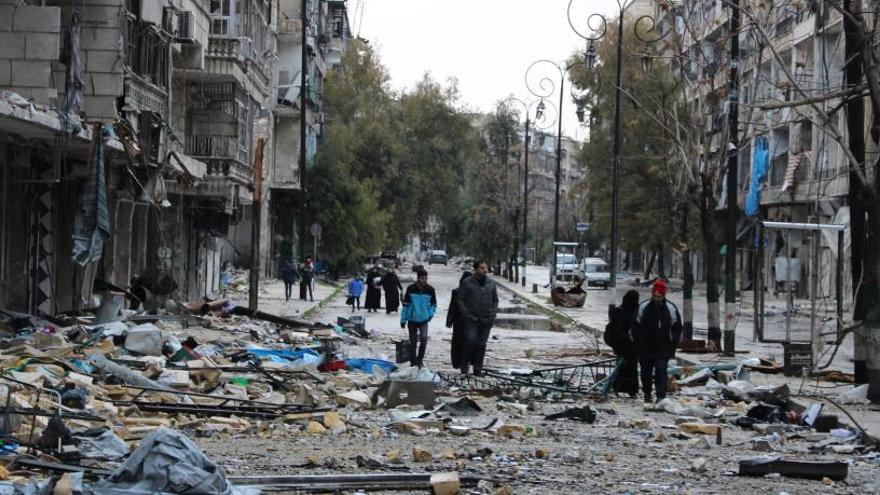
[227, 406]
[592, 378]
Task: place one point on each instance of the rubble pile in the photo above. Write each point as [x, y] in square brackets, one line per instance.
[214, 398]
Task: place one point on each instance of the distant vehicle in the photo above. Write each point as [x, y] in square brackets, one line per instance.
[389, 258]
[596, 271]
[438, 256]
[566, 266]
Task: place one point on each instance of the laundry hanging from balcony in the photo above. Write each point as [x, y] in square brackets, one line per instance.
[92, 223]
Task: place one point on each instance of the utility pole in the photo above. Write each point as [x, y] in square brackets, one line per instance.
[732, 172]
[525, 230]
[615, 171]
[303, 89]
[254, 286]
[558, 179]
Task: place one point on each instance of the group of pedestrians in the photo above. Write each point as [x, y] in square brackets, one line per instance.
[644, 335]
[305, 275]
[472, 310]
[377, 281]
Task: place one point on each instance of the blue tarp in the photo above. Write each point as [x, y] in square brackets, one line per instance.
[760, 161]
[282, 353]
[370, 365]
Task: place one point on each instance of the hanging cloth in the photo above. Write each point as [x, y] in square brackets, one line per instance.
[92, 223]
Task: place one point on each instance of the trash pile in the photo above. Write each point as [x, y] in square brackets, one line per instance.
[123, 390]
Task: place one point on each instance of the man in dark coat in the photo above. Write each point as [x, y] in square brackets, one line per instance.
[457, 324]
[393, 288]
[477, 301]
[374, 290]
[658, 329]
[619, 335]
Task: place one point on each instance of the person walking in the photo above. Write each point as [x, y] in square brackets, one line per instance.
[355, 289]
[477, 301]
[305, 284]
[619, 336]
[374, 290]
[289, 275]
[457, 324]
[657, 332]
[419, 306]
[393, 288]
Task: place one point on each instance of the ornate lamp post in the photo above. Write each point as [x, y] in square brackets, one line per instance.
[541, 120]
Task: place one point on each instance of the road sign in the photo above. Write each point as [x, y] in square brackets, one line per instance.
[583, 226]
[316, 230]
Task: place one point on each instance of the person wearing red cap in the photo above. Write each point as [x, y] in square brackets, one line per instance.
[657, 331]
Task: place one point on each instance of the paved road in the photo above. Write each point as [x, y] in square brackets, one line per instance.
[507, 347]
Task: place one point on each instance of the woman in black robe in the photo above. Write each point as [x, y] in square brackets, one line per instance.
[454, 321]
[373, 300]
[391, 284]
[619, 335]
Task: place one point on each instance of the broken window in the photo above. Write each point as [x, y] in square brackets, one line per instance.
[222, 18]
[146, 49]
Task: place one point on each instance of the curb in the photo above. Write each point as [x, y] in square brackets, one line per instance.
[552, 311]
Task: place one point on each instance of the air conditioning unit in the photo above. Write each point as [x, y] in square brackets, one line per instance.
[185, 27]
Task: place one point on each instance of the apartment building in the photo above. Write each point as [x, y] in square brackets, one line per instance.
[130, 129]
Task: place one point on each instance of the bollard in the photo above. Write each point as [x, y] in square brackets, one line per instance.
[534, 288]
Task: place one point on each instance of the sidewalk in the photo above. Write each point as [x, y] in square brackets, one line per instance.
[594, 315]
[272, 298]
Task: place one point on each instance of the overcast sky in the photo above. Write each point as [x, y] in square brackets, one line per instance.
[486, 44]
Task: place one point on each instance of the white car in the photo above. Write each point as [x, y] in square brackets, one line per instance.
[597, 272]
[566, 266]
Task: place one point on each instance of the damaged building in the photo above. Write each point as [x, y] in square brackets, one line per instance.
[129, 133]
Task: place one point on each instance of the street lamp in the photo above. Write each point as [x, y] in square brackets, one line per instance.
[597, 26]
[541, 121]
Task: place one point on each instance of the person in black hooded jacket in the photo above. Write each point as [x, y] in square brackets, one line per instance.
[455, 321]
[619, 335]
[658, 330]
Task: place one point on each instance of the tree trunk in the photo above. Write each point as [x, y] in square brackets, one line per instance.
[661, 262]
[707, 226]
[687, 303]
[650, 266]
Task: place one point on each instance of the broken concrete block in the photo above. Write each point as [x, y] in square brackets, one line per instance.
[410, 428]
[445, 483]
[393, 455]
[421, 455]
[459, 431]
[46, 340]
[511, 431]
[315, 428]
[145, 339]
[448, 453]
[641, 424]
[353, 397]
[700, 443]
[699, 428]
[698, 465]
[332, 420]
[175, 378]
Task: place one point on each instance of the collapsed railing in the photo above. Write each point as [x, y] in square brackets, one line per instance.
[592, 378]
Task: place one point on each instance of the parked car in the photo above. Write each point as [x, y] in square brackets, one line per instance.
[566, 266]
[438, 256]
[596, 271]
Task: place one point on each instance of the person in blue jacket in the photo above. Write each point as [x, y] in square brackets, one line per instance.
[355, 289]
[419, 306]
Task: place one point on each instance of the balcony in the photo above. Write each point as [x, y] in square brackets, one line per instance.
[289, 28]
[223, 156]
[235, 58]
